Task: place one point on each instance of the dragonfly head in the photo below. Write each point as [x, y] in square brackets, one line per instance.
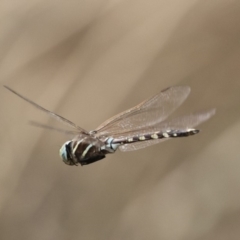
[65, 153]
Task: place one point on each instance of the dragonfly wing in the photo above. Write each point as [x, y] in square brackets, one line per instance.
[139, 145]
[152, 111]
[52, 114]
[180, 123]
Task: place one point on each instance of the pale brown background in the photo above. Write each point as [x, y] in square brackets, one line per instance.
[88, 60]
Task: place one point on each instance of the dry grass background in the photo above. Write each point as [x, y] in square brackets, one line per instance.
[88, 60]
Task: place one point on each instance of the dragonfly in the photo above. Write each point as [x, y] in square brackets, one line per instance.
[141, 126]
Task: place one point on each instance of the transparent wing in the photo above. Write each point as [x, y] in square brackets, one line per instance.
[60, 130]
[150, 112]
[181, 123]
[51, 114]
[139, 145]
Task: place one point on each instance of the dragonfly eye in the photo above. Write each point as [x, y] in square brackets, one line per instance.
[64, 153]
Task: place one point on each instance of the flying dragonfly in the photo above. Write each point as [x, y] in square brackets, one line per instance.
[141, 126]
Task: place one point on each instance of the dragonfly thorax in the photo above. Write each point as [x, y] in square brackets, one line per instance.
[84, 149]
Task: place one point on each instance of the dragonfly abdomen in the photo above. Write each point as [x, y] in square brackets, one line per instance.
[155, 135]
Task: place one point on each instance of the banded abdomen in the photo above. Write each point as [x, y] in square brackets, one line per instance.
[154, 136]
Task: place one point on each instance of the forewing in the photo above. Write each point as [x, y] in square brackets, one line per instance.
[180, 123]
[52, 114]
[150, 112]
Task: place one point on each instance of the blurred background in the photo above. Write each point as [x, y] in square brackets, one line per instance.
[89, 60]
